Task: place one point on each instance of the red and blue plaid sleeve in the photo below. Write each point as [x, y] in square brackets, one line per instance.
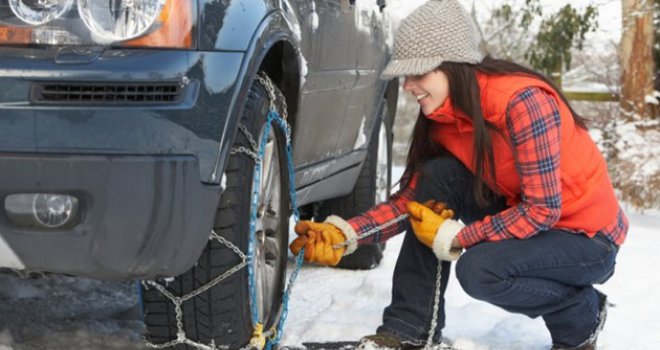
[386, 219]
[533, 122]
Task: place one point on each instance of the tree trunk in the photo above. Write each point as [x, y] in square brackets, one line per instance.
[638, 67]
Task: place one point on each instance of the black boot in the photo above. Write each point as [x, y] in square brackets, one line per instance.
[590, 344]
[388, 341]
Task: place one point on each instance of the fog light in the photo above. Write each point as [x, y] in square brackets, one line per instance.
[41, 210]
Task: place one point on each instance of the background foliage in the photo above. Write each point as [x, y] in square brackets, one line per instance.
[524, 32]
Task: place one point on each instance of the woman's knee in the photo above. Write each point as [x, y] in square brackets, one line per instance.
[478, 276]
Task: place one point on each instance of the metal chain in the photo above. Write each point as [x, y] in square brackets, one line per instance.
[253, 153]
[249, 136]
[243, 150]
[438, 283]
[178, 301]
[372, 231]
[275, 334]
[269, 85]
[283, 311]
[259, 337]
[436, 306]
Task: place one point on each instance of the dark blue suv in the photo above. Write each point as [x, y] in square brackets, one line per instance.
[130, 131]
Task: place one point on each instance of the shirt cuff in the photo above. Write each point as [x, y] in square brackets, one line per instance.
[469, 236]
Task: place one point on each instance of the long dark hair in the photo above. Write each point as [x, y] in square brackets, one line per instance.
[465, 95]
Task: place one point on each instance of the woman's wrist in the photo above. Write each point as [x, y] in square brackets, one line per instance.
[456, 244]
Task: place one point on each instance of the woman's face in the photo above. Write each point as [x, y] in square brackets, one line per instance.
[430, 89]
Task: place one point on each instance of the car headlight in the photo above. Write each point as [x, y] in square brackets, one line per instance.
[117, 23]
[121, 20]
[38, 12]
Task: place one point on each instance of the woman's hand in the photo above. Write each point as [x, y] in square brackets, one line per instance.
[434, 227]
[323, 242]
[456, 244]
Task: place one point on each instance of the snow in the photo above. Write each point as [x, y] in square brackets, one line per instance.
[361, 138]
[303, 68]
[5, 340]
[8, 257]
[639, 148]
[314, 18]
[58, 312]
[332, 305]
[590, 87]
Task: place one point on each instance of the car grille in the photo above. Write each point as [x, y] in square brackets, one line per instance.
[105, 93]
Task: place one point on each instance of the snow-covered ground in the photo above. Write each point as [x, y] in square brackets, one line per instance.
[331, 304]
[58, 313]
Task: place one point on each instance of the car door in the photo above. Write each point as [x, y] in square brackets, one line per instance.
[370, 57]
[328, 40]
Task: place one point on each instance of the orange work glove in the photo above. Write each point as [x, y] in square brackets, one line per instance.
[433, 226]
[319, 241]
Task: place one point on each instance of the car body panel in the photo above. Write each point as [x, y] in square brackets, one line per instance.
[141, 216]
[329, 55]
[230, 25]
[193, 126]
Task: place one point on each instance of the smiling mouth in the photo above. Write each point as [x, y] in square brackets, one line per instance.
[420, 97]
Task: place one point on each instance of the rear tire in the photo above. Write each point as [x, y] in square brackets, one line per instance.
[372, 187]
[223, 313]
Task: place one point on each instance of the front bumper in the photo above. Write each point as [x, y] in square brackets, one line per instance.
[141, 216]
[194, 123]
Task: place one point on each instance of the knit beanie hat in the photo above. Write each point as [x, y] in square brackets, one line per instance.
[438, 31]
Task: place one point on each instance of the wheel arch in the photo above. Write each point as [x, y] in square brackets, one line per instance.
[283, 66]
[274, 48]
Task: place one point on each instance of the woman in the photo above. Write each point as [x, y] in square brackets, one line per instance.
[499, 147]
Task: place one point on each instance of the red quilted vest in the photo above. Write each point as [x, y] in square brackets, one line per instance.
[588, 199]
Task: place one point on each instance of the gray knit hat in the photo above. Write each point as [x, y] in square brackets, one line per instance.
[436, 32]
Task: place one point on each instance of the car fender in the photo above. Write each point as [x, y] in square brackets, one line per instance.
[274, 28]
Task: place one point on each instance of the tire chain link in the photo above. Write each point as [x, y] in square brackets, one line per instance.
[178, 301]
[252, 153]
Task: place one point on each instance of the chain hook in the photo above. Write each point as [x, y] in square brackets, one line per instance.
[258, 340]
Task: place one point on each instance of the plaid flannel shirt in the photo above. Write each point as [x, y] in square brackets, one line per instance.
[533, 123]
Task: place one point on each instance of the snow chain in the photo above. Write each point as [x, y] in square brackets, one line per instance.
[267, 339]
[438, 282]
[260, 339]
[436, 306]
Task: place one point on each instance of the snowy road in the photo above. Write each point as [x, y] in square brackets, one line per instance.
[66, 313]
[60, 313]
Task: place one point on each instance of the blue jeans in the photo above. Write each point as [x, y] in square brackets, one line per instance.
[549, 275]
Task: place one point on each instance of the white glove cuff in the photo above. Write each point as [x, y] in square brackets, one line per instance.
[347, 230]
[443, 238]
